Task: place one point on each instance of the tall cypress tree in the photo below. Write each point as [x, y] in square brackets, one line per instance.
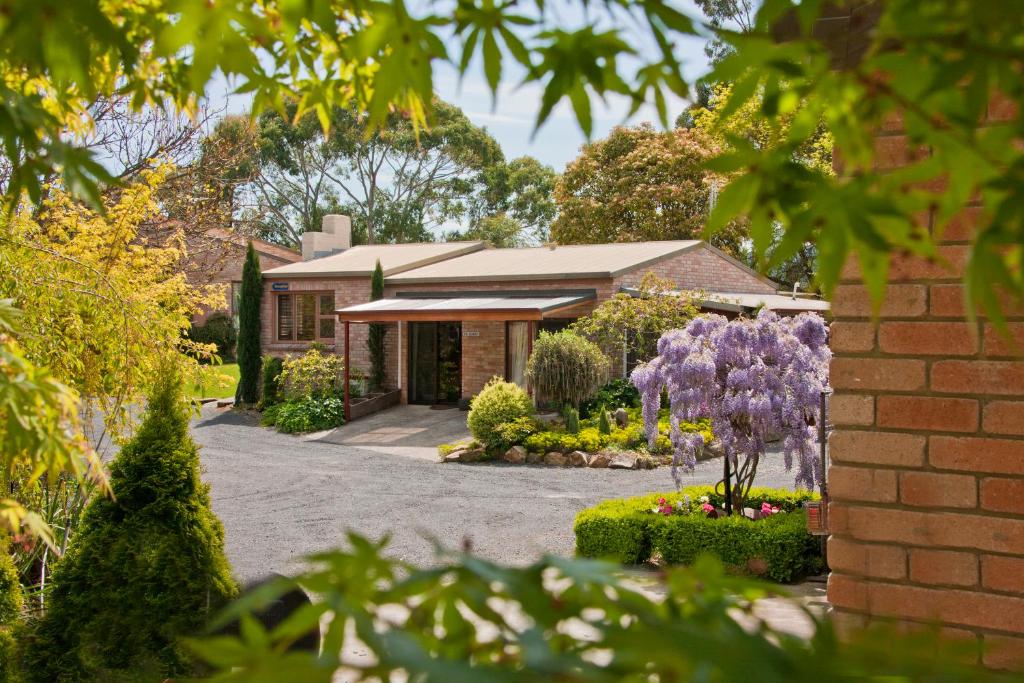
[248, 349]
[377, 332]
[147, 566]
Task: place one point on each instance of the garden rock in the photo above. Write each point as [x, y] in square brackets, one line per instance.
[621, 417]
[455, 456]
[577, 459]
[600, 460]
[623, 461]
[534, 458]
[515, 455]
[472, 455]
[645, 462]
[554, 458]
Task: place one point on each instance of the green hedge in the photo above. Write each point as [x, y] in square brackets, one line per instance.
[626, 531]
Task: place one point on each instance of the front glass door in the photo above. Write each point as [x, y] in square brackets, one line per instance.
[435, 362]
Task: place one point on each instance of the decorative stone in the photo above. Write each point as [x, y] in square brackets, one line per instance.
[455, 456]
[534, 458]
[621, 417]
[623, 461]
[711, 450]
[600, 460]
[645, 462]
[554, 458]
[472, 455]
[577, 459]
[515, 455]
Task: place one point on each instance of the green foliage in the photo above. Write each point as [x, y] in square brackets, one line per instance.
[498, 403]
[218, 330]
[377, 332]
[515, 432]
[10, 588]
[637, 322]
[308, 414]
[588, 439]
[627, 531]
[640, 184]
[696, 629]
[9, 656]
[566, 368]
[604, 425]
[617, 393]
[271, 374]
[147, 565]
[571, 416]
[314, 374]
[248, 352]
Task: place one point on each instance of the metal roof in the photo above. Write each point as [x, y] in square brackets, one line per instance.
[436, 308]
[361, 260]
[546, 263]
[741, 301]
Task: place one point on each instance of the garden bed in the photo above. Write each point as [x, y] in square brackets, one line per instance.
[372, 403]
[635, 530]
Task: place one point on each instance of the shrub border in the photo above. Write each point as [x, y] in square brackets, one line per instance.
[778, 548]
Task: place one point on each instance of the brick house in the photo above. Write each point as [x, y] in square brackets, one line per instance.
[459, 313]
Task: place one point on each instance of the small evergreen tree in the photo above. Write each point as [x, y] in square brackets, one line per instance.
[147, 566]
[248, 345]
[377, 332]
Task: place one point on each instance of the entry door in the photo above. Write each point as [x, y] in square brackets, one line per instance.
[435, 362]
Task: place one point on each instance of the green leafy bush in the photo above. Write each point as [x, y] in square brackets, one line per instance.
[146, 567]
[498, 403]
[618, 393]
[305, 415]
[314, 374]
[270, 393]
[515, 432]
[10, 612]
[626, 531]
[566, 368]
[218, 330]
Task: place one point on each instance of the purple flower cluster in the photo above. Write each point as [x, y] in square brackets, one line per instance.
[754, 379]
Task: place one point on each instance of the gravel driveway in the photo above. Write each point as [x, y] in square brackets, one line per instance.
[281, 498]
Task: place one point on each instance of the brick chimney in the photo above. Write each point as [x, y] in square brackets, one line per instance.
[335, 237]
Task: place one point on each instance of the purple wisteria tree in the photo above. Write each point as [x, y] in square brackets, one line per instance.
[756, 380]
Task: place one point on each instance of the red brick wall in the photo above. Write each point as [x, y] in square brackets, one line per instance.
[220, 262]
[701, 268]
[927, 475]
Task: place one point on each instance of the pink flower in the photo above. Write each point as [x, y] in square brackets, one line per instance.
[767, 509]
[707, 507]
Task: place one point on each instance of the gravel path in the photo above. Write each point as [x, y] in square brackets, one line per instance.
[281, 498]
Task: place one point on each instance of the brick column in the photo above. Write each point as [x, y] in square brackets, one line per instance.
[927, 474]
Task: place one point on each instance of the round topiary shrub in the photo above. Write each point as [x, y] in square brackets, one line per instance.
[498, 403]
[565, 368]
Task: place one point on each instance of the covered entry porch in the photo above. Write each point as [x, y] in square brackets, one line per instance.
[447, 345]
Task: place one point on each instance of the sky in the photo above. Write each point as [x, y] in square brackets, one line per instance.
[511, 121]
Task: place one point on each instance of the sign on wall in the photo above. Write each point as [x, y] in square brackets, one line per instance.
[279, 286]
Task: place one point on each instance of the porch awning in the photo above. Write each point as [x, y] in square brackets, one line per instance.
[455, 308]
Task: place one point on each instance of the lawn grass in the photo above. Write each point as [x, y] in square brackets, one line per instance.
[217, 381]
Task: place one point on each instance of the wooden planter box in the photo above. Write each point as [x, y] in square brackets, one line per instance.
[366, 405]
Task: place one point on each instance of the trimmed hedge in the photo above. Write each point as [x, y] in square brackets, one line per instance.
[624, 530]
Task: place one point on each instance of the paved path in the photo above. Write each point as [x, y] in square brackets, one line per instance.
[281, 497]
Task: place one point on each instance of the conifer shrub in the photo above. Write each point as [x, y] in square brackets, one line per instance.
[146, 568]
[377, 333]
[10, 614]
[271, 373]
[248, 344]
[497, 404]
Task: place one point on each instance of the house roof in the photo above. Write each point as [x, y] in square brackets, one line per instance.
[361, 260]
[466, 306]
[261, 246]
[546, 263]
[738, 302]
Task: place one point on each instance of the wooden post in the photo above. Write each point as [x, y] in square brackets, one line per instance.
[347, 404]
